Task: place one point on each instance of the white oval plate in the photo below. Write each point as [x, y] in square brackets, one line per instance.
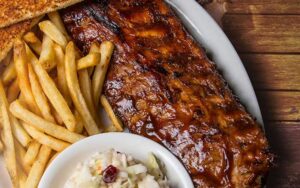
[139, 147]
[205, 30]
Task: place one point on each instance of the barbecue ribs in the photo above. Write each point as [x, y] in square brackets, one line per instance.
[162, 86]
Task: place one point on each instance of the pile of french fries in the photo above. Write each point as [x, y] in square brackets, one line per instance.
[50, 98]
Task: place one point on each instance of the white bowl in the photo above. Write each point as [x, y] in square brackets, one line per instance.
[139, 147]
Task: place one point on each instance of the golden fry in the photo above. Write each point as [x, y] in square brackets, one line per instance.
[1, 146]
[86, 88]
[38, 167]
[8, 59]
[34, 42]
[9, 152]
[47, 57]
[116, 121]
[9, 73]
[43, 125]
[90, 60]
[106, 50]
[44, 139]
[57, 21]
[53, 32]
[74, 88]
[20, 154]
[39, 95]
[21, 66]
[18, 131]
[32, 152]
[52, 93]
[13, 91]
[53, 157]
[61, 75]
[79, 125]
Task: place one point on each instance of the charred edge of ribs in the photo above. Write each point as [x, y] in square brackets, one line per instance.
[102, 18]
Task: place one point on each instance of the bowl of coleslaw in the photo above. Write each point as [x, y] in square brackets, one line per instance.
[116, 160]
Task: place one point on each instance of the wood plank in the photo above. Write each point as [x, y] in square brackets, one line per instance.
[284, 138]
[267, 34]
[262, 7]
[279, 105]
[273, 72]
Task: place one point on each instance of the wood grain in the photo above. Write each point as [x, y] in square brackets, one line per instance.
[273, 71]
[280, 105]
[263, 33]
[263, 7]
[284, 138]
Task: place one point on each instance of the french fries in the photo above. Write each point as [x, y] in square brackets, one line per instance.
[13, 91]
[34, 42]
[9, 152]
[61, 76]
[56, 20]
[52, 101]
[38, 167]
[19, 133]
[92, 59]
[117, 123]
[9, 73]
[76, 95]
[53, 94]
[1, 146]
[53, 32]
[44, 139]
[47, 57]
[106, 50]
[43, 125]
[86, 88]
[39, 96]
[32, 152]
[21, 66]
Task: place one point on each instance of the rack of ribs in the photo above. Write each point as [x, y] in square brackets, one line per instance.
[162, 86]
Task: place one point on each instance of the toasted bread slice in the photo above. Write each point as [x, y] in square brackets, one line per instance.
[9, 34]
[12, 11]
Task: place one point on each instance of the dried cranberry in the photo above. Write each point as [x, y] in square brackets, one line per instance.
[110, 174]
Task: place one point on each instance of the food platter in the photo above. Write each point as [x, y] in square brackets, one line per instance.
[205, 30]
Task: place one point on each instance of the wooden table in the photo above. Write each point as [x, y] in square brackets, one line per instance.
[266, 34]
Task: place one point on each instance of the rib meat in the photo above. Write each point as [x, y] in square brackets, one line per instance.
[162, 86]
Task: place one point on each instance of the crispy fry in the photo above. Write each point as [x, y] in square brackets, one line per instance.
[95, 48]
[19, 132]
[9, 73]
[22, 177]
[90, 60]
[20, 154]
[61, 76]
[106, 50]
[22, 73]
[32, 152]
[79, 125]
[43, 125]
[51, 91]
[86, 88]
[53, 32]
[1, 146]
[13, 91]
[39, 95]
[116, 121]
[74, 88]
[44, 139]
[57, 117]
[34, 42]
[47, 57]
[38, 167]
[56, 20]
[9, 152]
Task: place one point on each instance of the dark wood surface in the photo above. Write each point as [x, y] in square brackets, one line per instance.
[266, 34]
